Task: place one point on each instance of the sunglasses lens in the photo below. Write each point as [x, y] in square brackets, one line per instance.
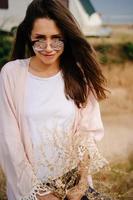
[57, 45]
[41, 45]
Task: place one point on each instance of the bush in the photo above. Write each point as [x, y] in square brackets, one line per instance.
[103, 50]
[5, 49]
[128, 50]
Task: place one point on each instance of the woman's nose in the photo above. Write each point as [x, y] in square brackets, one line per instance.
[48, 46]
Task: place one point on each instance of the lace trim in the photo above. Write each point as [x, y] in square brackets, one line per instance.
[60, 185]
[57, 186]
[97, 161]
[41, 189]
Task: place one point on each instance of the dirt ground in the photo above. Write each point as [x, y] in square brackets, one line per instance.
[117, 144]
[117, 112]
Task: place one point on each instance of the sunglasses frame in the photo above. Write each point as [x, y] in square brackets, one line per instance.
[42, 40]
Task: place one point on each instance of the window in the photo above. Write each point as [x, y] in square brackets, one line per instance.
[3, 4]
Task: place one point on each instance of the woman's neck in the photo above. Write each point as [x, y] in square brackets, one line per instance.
[38, 68]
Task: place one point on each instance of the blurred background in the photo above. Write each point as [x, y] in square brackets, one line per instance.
[108, 26]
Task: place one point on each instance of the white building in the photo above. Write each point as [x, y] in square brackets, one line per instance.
[12, 13]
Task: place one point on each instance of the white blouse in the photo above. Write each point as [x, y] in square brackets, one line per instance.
[50, 117]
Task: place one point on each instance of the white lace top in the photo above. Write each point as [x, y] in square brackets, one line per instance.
[50, 118]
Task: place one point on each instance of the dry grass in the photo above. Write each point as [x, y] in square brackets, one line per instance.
[120, 34]
[2, 187]
[116, 183]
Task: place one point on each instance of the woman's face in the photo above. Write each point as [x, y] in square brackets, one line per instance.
[47, 40]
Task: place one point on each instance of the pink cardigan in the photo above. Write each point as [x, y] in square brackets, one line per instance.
[16, 156]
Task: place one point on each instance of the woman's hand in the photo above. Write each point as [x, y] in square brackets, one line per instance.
[75, 193]
[78, 191]
[48, 197]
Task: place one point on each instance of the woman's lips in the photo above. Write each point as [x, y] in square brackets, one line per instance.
[48, 55]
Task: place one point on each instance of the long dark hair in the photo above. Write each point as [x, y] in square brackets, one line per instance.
[81, 71]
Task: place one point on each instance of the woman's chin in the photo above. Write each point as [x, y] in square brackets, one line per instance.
[49, 61]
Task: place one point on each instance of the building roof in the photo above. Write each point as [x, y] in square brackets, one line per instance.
[88, 6]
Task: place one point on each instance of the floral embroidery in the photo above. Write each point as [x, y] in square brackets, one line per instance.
[75, 149]
[97, 161]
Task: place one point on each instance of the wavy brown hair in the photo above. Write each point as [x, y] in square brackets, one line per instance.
[81, 71]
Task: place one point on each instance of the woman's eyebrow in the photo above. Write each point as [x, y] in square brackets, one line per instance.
[45, 36]
[37, 35]
[57, 35]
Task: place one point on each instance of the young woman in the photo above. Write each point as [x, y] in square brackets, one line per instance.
[50, 116]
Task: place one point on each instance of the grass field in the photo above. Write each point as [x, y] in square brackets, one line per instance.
[116, 183]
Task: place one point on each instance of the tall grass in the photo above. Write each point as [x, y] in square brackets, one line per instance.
[2, 187]
[116, 183]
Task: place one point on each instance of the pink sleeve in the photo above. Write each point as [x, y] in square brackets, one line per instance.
[15, 165]
[90, 129]
[91, 118]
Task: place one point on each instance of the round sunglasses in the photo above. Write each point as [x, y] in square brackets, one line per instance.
[40, 45]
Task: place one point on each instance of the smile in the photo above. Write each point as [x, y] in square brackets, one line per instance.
[48, 55]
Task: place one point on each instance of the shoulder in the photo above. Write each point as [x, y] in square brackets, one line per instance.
[9, 67]
[14, 67]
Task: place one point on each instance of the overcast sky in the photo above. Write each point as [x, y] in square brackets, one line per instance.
[115, 10]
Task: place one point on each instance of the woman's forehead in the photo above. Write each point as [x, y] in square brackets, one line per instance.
[44, 26]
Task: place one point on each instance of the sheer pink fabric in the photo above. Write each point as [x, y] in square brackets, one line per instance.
[16, 156]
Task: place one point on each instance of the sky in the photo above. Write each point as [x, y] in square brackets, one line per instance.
[115, 11]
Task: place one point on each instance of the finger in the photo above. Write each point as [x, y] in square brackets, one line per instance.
[53, 198]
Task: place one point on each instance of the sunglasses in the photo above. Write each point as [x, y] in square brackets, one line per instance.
[56, 44]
